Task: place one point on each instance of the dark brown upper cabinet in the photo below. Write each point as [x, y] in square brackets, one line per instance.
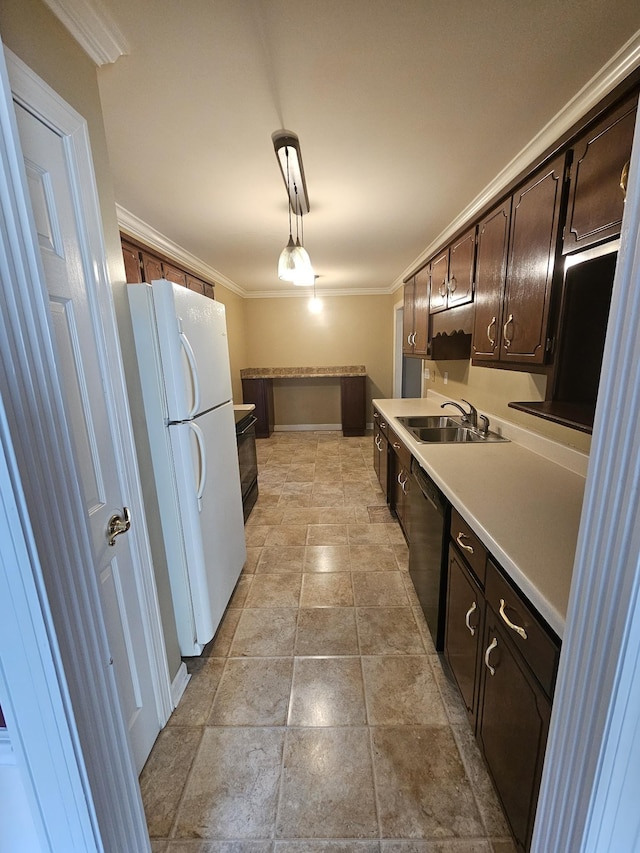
[598, 179]
[514, 328]
[132, 266]
[416, 314]
[452, 274]
[141, 265]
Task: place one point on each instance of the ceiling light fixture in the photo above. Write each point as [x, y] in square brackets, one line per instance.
[294, 264]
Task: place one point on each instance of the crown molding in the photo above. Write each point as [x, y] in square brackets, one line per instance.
[92, 27]
[621, 64]
[138, 229]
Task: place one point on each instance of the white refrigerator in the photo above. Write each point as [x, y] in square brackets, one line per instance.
[183, 360]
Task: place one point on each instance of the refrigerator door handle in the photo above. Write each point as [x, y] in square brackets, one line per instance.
[184, 340]
[203, 461]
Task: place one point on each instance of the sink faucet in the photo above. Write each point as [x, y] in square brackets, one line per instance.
[470, 417]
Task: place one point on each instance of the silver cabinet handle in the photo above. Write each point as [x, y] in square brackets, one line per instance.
[402, 483]
[396, 446]
[118, 524]
[492, 341]
[468, 548]
[508, 621]
[376, 441]
[507, 341]
[376, 415]
[413, 339]
[624, 175]
[452, 284]
[442, 290]
[492, 645]
[473, 607]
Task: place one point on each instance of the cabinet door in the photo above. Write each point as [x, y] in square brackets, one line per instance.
[131, 263]
[194, 283]
[533, 244]
[151, 267]
[421, 312]
[512, 729]
[596, 200]
[407, 317]
[462, 258]
[463, 631]
[439, 281]
[174, 274]
[491, 267]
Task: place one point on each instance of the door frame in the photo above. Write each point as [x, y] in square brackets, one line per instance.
[101, 793]
[398, 340]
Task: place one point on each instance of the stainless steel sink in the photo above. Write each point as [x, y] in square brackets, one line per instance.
[430, 422]
[446, 430]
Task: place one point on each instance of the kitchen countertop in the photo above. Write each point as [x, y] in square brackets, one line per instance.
[302, 372]
[524, 506]
[241, 410]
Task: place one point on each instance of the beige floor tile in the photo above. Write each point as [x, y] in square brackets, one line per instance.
[425, 633]
[451, 698]
[221, 643]
[295, 487]
[367, 534]
[253, 555]
[294, 501]
[373, 558]
[451, 845]
[327, 692]
[327, 558]
[402, 690]
[327, 847]
[327, 534]
[274, 590]
[487, 801]
[327, 785]
[281, 559]
[301, 473]
[503, 845]
[233, 787]
[253, 692]
[410, 589]
[201, 846]
[382, 589]
[239, 595]
[396, 536]
[402, 556]
[260, 516]
[338, 515]
[326, 589]
[286, 534]
[195, 705]
[422, 788]
[255, 534]
[164, 776]
[265, 632]
[302, 515]
[158, 846]
[388, 631]
[327, 631]
[381, 515]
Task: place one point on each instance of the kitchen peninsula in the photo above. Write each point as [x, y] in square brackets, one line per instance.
[257, 388]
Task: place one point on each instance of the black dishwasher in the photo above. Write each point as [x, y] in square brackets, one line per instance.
[430, 521]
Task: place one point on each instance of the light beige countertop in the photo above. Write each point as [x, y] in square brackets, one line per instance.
[302, 372]
[524, 504]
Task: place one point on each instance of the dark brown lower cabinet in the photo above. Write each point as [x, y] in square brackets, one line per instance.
[353, 393]
[260, 393]
[512, 728]
[463, 631]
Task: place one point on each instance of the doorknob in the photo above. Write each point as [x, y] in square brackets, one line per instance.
[118, 524]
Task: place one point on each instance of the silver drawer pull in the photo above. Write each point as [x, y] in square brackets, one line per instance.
[468, 548]
[383, 425]
[396, 446]
[492, 645]
[508, 621]
[473, 607]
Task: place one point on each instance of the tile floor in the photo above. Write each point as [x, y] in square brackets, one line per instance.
[319, 719]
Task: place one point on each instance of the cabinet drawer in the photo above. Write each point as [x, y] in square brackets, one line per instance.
[469, 546]
[540, 649]
[378, 419]
[402, 452]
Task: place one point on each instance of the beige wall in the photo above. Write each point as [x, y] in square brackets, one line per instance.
[282, 332]
[491, 390]
[234, 306]
[32, 32]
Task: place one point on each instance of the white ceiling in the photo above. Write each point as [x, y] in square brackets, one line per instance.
[405, 109]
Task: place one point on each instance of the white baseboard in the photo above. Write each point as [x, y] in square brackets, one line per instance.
[179, 684]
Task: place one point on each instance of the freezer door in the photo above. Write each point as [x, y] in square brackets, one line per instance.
[192, 335]
[210, 502]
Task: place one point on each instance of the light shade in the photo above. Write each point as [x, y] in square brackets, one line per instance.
[285, 142]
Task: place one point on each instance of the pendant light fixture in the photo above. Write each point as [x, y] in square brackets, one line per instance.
[294, 264]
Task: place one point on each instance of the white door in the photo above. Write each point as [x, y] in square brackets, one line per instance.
[81, 354]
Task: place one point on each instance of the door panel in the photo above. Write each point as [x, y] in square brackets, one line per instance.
[81, 353]
[491, 265]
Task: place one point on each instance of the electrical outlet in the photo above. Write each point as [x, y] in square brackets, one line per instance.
[445, 378]
[427, 373]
